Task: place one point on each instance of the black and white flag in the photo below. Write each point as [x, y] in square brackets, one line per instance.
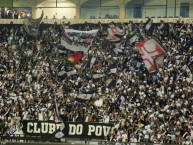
[76, 40]
[31, 26]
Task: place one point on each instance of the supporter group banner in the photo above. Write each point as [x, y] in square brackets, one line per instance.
[71, 129]
[76, 40]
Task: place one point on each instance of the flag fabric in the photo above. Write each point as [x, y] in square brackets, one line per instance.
[120, 31]
[97, 65]
[76, 40]
[72, 72]
[69, 73]
[83, 97]
[117, 50]
[75, 57]
[93, 59]
[151, 52]
[56, 109]
[61, 49]
[143, 36]
[59, 134]
[96, 76]
[114, 70]
[191, 134]
[115, 34]
[148, 25]
[31, 26]
[137, 37]
[99, 102]
[133, 39]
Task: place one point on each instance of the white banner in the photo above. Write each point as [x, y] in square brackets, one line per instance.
[76, 40]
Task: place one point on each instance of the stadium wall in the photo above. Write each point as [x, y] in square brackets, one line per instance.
[75, 9]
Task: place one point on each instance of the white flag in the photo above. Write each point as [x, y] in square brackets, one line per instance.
[92, 61]
[191, 134]
[59, 134]
[117, 50]
[147, 27]
[99, 102]
[96, 76]
[75, 40]
[72, 72]
[69, 73]
[133, 39]
[114, 70]
[84, 96]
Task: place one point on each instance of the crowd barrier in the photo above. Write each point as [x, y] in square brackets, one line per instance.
[35, 140]
[73, 21]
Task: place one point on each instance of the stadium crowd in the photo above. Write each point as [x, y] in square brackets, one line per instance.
[145, 107]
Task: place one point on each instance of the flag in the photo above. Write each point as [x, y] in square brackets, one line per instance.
[76, 40]
[83, 97]
[143, 36]
[96, 76]
[99, 102]
[117, 50]
[148, 24]
[31, 26]
[97, 65]
[120, 32]
[59, 134]
[115, 34]
[114, 70]
[56, 109]
[92, 61]
[151, 52]
[61, 49]
[69, 73]
[133, 39]
[75, 57]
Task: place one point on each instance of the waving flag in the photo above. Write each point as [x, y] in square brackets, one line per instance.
[133, 39]
[96, 76]
[92, 61]
[115, 34]
[75, 57]
[148, 24]
[31, 26]
[69, 73]
[152, 54]
[84, 97]
[76, 40]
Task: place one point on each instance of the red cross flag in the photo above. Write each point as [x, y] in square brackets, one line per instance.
[152, 54]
